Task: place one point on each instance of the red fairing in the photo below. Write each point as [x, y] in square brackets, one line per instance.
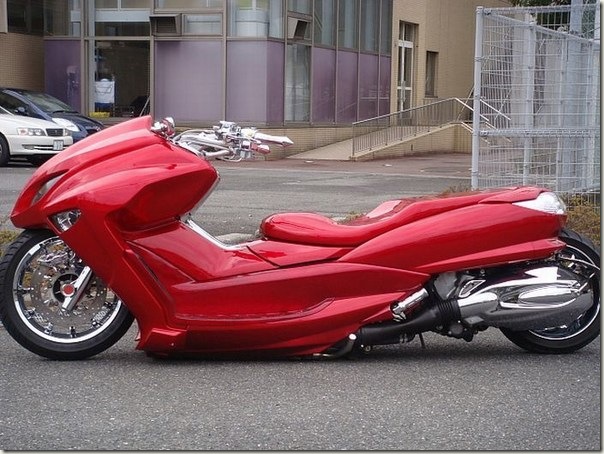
[305, 286]
[482, 235]
[311, 228]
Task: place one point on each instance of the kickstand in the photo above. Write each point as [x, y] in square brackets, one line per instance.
[421, 339]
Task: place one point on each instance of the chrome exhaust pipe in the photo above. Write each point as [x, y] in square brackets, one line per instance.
[536, 298]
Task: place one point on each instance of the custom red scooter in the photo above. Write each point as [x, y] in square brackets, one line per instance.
[108, 237]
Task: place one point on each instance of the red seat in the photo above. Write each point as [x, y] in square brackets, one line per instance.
[315, 229]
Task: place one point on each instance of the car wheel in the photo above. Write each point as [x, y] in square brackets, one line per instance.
[4, 152]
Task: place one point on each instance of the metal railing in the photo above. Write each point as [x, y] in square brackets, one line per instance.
[391, 128]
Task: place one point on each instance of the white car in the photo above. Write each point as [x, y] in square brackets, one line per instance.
[34, 139]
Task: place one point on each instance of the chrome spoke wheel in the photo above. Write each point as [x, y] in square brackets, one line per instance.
[53, 304]
[43, 280]
[581, 257]
[576, 260]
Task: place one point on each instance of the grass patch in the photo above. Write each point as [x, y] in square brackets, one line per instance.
[6, 237]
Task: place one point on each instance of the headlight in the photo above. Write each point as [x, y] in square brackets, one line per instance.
[65, 220]
[548, 202]
[31, 132]
[66, 124]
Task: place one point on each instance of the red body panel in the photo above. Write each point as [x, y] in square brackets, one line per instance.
[308, 284]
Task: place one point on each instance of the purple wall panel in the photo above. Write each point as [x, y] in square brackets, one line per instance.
[275, 82]
[323, 85]
[188, 80]
[246, 81]
[347, 87]
[62, 71]
[368, 86]
[254, 82]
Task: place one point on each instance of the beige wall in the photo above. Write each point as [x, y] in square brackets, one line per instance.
[22, 61]
[446, 27]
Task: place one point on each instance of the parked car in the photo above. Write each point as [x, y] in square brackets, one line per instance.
[32, 138]
[46, 107]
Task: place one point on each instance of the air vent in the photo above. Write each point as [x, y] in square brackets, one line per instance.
[298, 28]
[166, 24]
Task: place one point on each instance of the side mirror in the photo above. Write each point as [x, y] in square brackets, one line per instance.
[165, 127]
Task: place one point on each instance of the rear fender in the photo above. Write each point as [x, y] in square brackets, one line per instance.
[476, 236]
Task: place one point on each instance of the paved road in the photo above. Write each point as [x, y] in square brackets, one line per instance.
[453, 395]
[483, 395]
[250, 191]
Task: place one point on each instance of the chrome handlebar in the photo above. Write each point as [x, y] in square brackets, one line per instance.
[229, 141]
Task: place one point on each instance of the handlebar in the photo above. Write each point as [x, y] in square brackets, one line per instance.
[229, 141]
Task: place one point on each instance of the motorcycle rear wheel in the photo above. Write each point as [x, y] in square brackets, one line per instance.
[583, 330]
[37, 273]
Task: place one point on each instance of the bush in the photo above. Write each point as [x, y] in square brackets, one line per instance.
[584, 217]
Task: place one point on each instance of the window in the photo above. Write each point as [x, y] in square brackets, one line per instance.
[122, 17]
[300, 6]
[386, 27]
[325, 22]
[348, 24]
[121, 77]
[431, 71]
[203, 24]
[62, 18]
[188, 4]
[297, 83]
[11, 103]
[255, 18]
[370, 24]
[25, 16]
[298, 29]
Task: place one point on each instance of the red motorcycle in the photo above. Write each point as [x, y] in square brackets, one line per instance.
[108, 238]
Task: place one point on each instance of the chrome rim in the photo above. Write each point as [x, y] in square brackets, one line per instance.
[580, 324]
[44, 278]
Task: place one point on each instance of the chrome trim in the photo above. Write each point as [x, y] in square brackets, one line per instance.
[79, 286]
[400, 307]
[209, 237]
[347, 348]
[541, 297]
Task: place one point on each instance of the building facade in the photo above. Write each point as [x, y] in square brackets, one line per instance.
[267, 62]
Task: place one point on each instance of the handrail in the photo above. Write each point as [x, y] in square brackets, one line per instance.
[386, 129]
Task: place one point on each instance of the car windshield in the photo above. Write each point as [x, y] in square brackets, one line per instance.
[47, 103]
[3, 111]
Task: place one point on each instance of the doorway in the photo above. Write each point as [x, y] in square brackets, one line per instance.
[406, 50]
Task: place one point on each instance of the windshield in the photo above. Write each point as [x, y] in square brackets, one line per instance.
[47, 103]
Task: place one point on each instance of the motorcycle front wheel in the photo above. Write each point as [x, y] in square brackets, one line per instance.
[584, 329]
[52, 303]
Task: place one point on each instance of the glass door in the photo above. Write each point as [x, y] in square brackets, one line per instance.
[404, 84]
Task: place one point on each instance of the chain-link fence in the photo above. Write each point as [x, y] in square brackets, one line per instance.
[537, 89]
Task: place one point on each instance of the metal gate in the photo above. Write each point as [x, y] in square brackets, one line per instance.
[537, 99]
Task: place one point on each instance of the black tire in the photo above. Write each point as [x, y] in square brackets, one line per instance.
[581, 332]
[37, 160]
[4, 152]
[36, 276]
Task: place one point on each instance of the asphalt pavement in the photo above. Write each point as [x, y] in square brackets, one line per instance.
[451, 395]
